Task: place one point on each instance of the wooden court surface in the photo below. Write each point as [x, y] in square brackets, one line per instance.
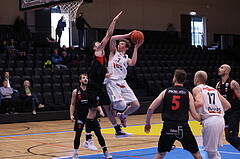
[53, 139]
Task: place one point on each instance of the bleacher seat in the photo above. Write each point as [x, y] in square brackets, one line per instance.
[37, 88]
[47, 98]
[30, 64]
[67, 97]
[66, 87]
[38, 71]
[17, 80]
[56, 79]
[66, 78]
[58, 98]
[36, 79]
[47, 87]
[11, 64]
[19, 72]
[57, 87]
[28, 71]
[20, 63]
[47, 79]
[74, 78]
[47, 71]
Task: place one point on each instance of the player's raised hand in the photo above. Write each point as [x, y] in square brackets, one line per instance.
[117, 16]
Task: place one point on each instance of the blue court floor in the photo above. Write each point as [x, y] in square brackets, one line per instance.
[227, 152]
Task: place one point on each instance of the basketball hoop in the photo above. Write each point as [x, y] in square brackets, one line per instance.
[70, 9]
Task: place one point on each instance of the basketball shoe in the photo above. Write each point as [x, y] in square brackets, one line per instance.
[123, 120]
[75, 156]
[89, 145]
[107, 155]
[122, 133]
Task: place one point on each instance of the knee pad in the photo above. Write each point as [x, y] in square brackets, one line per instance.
[119, 105]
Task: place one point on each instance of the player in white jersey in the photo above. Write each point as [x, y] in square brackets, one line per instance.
[118, 90]
[211, 106]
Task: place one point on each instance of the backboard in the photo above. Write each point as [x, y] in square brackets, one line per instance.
[36, 4]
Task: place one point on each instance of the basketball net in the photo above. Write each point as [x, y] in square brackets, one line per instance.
[70, 9]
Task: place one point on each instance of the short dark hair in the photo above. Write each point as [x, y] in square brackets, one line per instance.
[128, 44]
[180, 75]
[92, 46]
[4, 81]
[83, 74]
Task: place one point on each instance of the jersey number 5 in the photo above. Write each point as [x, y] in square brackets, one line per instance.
[175, 102]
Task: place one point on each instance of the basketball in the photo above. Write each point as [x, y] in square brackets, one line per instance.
[136, 35]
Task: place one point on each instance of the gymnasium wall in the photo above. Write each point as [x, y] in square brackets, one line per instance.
[222, 15]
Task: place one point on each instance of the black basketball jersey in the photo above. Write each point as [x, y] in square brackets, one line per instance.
[176, 104]
[98, 69]
[81, 104]
[226, 91]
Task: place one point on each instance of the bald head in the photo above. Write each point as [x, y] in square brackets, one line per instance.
[201, 77]
[224, 70]
[227, 68]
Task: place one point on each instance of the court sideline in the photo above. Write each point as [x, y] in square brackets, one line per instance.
[54, 139]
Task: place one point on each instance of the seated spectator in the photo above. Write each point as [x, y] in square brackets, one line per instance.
[66, 60]
[29, 97]
[12, 47]
[57, 60]
[62, 49]
[6, 96]
[3, 47]
[7, 77]
[51, 42]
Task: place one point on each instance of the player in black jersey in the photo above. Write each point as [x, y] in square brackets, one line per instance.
[230, 89]
[177, 101]
[80, 101]
[97, 75]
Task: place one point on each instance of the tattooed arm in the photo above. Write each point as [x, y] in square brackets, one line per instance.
[235, 87]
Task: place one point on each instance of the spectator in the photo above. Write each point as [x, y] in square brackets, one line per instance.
[80, 23]
[19, 25]
[12, 47]
[57, 60]
[60, 28]
[8, 78]
[6, 96]
[50, 41]
[172, 31]
[63, 48]
[3, 46]
[66, 59]
[29, 96]
[171, 28]
[75, 54]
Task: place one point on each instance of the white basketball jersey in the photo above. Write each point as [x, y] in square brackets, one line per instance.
[212, 104]
[118, 66]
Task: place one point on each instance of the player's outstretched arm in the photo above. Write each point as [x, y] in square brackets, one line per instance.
[151, 109]
[113, 40]
[110, 31]
[133, 61]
